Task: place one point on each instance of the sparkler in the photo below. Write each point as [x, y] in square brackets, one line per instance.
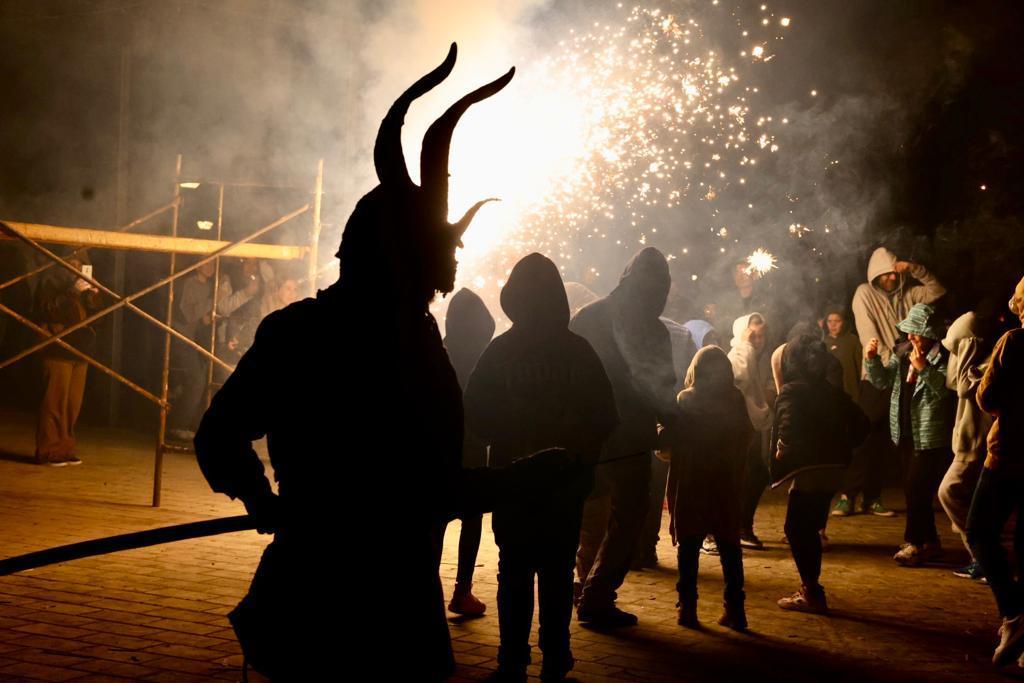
[760, 262]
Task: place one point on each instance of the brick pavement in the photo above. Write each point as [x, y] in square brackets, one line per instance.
[159, 614]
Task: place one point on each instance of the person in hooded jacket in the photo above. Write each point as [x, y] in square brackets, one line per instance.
[1000, 490]
[708, 456]
[468, 328]
[537, 386]
[817, 426]
[878, 306]
[967, 342]
[625, 330]
[919, 424]
[751, 366]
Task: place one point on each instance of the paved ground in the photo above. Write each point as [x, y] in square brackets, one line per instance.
[158, 614]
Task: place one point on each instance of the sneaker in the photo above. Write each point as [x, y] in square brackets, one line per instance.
[556, 671]
[72, 459]
[465, 603]
[843, 507]
[709, 546]
[1011, 640]
[970, 571]
[607, 617]
[748, 539]
[910, 555]
[51, 460]
[734, 617]
[825, 544]
[876, 508]
[803, 600]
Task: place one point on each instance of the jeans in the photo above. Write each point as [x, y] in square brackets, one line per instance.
[806, 515]
[469, 546]
[956, 492]
[997, 496]
[647, 546]
[755, 482]
[864, 476]
[544, 546]
[923, 472]
[731, 556]
[606, 548]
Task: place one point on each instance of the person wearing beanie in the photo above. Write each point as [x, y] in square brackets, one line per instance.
[915, 376]
[538, 386]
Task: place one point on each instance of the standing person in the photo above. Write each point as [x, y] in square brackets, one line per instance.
[278, 290]
[751, 366]
[63, 300]
[468, 328]
[708, 455]
[625, 330]
[919, 424]
[846, 348]
[744, 297]
[1000, 490]
[878, 306]
[817, 426]
[538, 386]
[645, 555]
[968, 345]
[193, 316]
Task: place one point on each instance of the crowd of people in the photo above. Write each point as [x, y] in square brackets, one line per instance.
[724, 424]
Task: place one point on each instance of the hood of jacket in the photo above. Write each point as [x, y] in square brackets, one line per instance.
[805, 359]
[966, 326]
[882, 261]
[710, 371]
[579, 296]
[644, 285]
[739, 326]
[698, 330]
[468, 328]
[534, 296]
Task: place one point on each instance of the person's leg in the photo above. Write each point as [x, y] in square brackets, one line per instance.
[734, 614]
[688, 556]
[515, 606]
[919, 504]
[757, 479]
[76, 392]
[994, 500]
[630, 481]
[955, 493]
[804, 515]
[554, 598]
[463, 601]
[50, 437]
[931, 465]
[646, 552]
[594, 526]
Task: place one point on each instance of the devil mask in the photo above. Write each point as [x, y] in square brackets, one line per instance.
[398, 237]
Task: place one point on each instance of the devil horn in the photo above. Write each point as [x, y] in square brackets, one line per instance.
[387, 151]
[438, 138]
[460, 225]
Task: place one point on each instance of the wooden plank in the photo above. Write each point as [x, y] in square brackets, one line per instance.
[107, 239]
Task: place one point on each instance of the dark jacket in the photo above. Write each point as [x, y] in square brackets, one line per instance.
[633, 344]
[59, 305]
[539, 385]
[468, 329]
[817, 424]
[708, 445]
[1001, 394]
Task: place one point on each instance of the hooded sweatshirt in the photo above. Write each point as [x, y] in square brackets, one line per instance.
[538, 385]
[968, 359]
[1000, 395]
[877, 312]
[683, 349]
[625, 330]
[753, 374]
[699, 331]
[468, 328]
[579, 296]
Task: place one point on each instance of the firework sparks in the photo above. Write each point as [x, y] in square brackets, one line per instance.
[761, 262]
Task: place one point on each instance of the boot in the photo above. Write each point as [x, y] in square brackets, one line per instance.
[734, 615]
[465, 603]
[687, 613]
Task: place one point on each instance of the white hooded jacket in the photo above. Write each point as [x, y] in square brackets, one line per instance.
[753, 375]
[968, 358]
[877, 312]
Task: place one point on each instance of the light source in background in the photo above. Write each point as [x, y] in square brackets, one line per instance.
[191, 185]
[760, 262]
[204, 225]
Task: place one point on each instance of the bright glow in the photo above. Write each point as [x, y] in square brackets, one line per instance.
[784, 21]
[204, 225]
[188, 185]
[760, 262]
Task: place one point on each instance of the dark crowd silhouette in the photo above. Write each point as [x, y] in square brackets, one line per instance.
[572, 428]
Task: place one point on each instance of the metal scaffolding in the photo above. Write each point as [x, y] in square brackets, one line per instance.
[33, 235]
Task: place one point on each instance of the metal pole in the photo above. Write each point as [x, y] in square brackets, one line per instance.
[117, 318]
[156, 285]
[161, 433]
[88, 359]
[216, 295]
[314, 243]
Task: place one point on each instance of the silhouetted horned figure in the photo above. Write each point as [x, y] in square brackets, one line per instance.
[364, 425]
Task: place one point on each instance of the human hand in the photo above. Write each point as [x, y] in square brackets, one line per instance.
[903, 266]
[233, 344]
[81, 285]
[265, 510]
[917, 358]
[871, 350]
[780, 449]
